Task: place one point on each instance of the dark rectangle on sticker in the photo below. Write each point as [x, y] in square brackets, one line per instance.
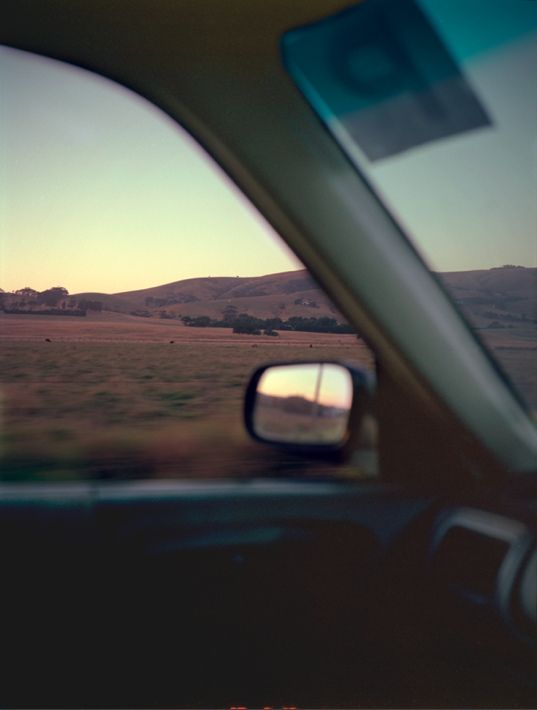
[384, 73]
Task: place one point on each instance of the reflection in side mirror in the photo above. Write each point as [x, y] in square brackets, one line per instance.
[301, 404]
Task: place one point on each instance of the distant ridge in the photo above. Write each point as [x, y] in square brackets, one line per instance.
[501, 297]
[506, 295]
[286, 294]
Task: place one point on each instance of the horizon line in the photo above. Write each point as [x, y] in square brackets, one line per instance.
[258, 276]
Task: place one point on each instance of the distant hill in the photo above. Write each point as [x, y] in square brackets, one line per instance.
[284, 295]
[506, 295]
[503, 297]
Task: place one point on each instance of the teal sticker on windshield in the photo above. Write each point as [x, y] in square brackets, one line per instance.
[380, 73]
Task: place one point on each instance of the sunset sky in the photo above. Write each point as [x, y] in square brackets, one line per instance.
[301, 381]
[101, 191]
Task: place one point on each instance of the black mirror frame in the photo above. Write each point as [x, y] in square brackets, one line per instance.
[362, 389]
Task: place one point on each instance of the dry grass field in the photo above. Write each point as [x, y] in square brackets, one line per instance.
[118, 396]
[275, 422]
[112, 397]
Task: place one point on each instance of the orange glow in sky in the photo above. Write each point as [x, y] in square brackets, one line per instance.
[301, 380]
[103, 192]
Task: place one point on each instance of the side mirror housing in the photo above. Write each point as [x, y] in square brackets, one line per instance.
[307, 407]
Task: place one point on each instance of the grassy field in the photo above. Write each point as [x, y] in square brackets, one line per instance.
[114, 398]
[275, 422]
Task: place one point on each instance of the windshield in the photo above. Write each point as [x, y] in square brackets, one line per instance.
[435, 102]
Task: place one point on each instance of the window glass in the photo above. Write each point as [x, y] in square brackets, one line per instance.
[435, 102]
[139, 290]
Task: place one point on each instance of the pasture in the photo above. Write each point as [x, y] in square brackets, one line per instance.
[117, 396]
[113, 397]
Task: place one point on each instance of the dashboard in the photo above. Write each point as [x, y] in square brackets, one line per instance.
[313, 593]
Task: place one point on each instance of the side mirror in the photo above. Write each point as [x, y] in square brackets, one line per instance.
[306, 406]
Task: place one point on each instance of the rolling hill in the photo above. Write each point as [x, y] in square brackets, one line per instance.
[502, 296]
[506, 295]
[292, 293]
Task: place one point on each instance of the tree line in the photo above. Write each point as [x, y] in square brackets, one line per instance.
[52, 301]
[250, 325]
